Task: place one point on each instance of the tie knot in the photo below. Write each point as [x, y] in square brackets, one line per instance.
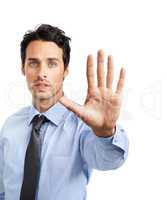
[38, 120]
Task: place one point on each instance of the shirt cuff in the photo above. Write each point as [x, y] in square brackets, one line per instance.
[119, 139]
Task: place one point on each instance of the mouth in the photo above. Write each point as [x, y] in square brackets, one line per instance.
[41, 86]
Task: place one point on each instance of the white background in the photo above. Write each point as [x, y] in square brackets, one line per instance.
[135, 33]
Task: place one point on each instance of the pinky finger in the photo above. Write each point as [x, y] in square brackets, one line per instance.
[121, 81]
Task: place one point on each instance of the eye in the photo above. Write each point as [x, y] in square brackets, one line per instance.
[33, 64]
[52, 64]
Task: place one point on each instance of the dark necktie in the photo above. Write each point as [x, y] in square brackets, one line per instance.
[32, 161]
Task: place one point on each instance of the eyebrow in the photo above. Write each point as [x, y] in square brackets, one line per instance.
[49, 59]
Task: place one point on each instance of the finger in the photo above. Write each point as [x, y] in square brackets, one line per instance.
[110, 72]
[121, 81]
[90, 72]
[100, 68]
[71, 105]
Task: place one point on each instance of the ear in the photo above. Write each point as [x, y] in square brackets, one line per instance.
[66, 72]
[23, 70]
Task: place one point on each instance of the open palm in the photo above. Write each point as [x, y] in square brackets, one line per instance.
[102, 105]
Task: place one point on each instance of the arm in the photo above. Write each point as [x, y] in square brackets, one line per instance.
[104, 153]
[99, 142]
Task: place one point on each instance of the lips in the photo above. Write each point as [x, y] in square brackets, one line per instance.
[41, 86]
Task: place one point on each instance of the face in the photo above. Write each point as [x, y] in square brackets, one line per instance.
[44, 69]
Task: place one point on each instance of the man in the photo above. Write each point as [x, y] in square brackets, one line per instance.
[54, 160]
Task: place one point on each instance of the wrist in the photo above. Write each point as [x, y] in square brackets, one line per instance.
[105, 133]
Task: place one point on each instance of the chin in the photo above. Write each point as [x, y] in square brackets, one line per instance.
[43, 96]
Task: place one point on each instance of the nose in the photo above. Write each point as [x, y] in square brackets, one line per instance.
[42, 72]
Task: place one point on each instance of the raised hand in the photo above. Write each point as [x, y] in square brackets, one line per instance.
[102, 105]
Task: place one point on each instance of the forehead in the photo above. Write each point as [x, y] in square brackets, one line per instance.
[43, 49]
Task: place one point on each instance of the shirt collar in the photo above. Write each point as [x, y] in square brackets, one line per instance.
[55, 113]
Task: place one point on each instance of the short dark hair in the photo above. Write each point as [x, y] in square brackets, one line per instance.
[46, 32]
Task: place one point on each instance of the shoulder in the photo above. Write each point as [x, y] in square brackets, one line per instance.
[18, 116]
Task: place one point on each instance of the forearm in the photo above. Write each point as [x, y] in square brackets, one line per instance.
[105, 153]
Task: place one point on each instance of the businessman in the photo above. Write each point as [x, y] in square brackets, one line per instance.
[49, 149]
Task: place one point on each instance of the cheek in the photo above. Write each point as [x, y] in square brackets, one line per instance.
[56, 78]
[30, 76]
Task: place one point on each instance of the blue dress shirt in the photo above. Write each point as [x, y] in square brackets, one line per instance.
[70, 150]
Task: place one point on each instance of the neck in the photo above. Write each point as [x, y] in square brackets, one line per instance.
[43, 105]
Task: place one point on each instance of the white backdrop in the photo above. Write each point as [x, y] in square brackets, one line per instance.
[135, 33]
